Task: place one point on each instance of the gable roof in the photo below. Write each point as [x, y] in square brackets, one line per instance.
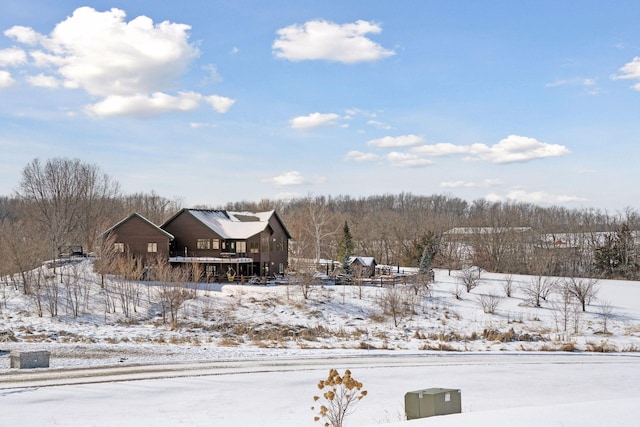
[365, 261]
[137, 215]
[232, 224]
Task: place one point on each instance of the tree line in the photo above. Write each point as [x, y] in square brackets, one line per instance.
[61, 202]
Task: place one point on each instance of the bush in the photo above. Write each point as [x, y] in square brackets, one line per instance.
[488, 302]
[339, 394]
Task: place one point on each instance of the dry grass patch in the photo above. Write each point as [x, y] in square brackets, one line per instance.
[602, 347]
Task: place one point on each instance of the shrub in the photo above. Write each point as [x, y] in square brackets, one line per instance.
[488, 302]
[339, 394]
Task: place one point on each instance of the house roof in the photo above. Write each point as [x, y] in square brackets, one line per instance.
[486, 230]
[366, 261]
[232, 224]
[134, 215]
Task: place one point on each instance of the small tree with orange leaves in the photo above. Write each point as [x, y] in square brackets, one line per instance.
[340, 393]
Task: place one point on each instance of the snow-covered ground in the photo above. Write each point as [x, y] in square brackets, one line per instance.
[497, 390]
[508, 364]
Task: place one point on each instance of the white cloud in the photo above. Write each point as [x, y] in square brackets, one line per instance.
[535, 197]
[407, 160]
[219, 103]
[589, 84]
[314, 120]
[24, 35]
[468, 184]
[397, 141]
[359, 156]
[379, 125]
[213, 76]
[5, 79]
[293, 178]
[145, 105]
[288, 178]
[516, 148]
[441, 149]
[198, 125]
[12, 56]
[323, 40]
[42, 80]
[109, 58]
[630, 70]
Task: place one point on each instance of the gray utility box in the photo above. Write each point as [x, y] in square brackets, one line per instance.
[29, 359]
[432, 401]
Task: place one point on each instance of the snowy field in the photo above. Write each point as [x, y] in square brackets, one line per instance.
[252, 356]
[497, 390]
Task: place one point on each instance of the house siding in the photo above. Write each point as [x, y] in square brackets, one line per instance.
[136, 234]
[187, 230]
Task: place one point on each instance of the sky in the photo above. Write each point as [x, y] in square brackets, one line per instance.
[220, 101]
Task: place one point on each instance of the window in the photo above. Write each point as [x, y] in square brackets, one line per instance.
[254, 247]
[152, 247]
[265, 243]
[203, 244]
[241, 247]
[118, 247]
[281, 268]
[216, 243]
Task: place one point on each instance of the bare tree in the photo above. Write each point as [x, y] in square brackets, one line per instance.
[421, 283]
[66, 199]
[171, 291]
[470, 278]
[488, 302]
[52, 291]
[508, 286]
[394, 303]
[562, 310]
[606, 313]
[76, 288]
[319, 223]
[538, 288]
[19, 249]
[584, 290]
[306, 282]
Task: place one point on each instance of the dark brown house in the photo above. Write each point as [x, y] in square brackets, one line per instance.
[138, 237]
[227, 245]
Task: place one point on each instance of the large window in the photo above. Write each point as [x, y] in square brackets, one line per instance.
[152, 247]
[241, 247]
[118, 247]
[254, 247]
[203, 244]
[216, 243]
[264, 243]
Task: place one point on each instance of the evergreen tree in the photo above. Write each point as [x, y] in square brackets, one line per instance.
[425, 261]
[345, 248]
[617, 256]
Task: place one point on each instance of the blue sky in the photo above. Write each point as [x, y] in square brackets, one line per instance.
[218, 101]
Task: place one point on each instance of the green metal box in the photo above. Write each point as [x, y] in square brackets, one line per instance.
[432, 401]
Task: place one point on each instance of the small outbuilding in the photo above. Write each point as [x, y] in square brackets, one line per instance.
[366, 266]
